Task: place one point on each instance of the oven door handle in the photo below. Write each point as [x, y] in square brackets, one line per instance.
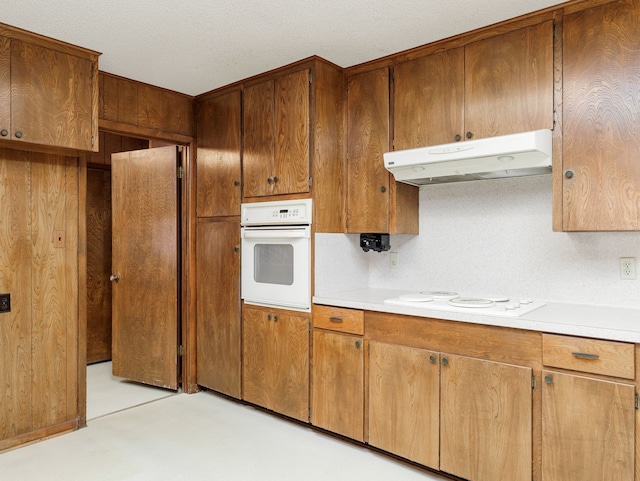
[275, 234]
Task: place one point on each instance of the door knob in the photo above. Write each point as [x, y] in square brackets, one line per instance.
[114, 277]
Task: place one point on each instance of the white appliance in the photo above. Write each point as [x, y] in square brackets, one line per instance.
[276, 254]
[515, 155]
[500, 306]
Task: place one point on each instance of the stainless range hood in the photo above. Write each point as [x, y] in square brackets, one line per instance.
[515, 155]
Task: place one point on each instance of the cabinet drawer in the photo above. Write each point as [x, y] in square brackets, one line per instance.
[338, 319]
[589, 355]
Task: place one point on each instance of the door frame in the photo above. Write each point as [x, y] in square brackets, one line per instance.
[187, 368]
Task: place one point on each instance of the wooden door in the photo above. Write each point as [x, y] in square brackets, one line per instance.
[291, 162]
[256, 348]
[428, 100]
[587, 429]
[145, 256]
[51, 97]
[509, 82]
[218, 160]
[5, 87]
[338, 383]
[404, 402]
[485, 419]
[368, 138]
[258, 149]
[218, 306]
[601, 133]
[289, 358]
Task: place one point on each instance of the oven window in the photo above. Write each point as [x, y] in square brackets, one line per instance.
[273, 264]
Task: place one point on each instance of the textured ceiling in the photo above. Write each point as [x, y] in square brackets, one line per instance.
[198, 45]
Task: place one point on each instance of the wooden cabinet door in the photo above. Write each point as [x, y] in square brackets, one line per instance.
[51, 97]
[145, 244]
[275, 362]
[587, 429]
[509, 82]
[218, 306]
[485, 419]
[258, 150]
[368, 138]
[5, 87]
[601, 134]
[404, 402]
[338, 383]
[289, 360]
[428, 100]
[218, 170]
[291, 164]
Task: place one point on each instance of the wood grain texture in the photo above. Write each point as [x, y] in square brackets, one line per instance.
[601, 137]
[367, 139]
[98, 214]
[119, 102]
[485, 419]
[5, 85]
[51, 97]
[258, 149]
[145, 255]
[588, 429]
[218, 162]
[219, 328]
[509, 82]
[404, 402]
[291, 165]
[428, 100]
[338, 383]
[276, 361]
[614, 358]
[49, 349]
[165, 110]
[328, 162]
[338, 319]
[15, 279]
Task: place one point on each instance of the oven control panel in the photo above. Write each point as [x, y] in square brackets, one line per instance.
[285, 212]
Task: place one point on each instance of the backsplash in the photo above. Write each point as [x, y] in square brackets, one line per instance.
[489, 237]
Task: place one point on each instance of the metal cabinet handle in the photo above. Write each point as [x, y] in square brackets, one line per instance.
[268, 317]
[18, 135]
[335, 319]
[275, 318]
[383, 188]
[358, 343]
[548, 379]
[275, 179]
[585, 355]
[114, 277]
[458, 137]
[469, 135]
[269, 180]
[445, 361]
[236, 249]
[4, 132]
[236, 183]
[432, 358]
[568, 174]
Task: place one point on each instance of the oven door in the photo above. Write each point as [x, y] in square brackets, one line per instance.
[276, 266]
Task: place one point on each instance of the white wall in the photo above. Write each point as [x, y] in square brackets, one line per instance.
[489, 237]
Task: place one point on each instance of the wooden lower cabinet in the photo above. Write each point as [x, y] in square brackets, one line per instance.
[275, 362]
[587, 429]
[404, 402]
[485, 419]
[338, 383]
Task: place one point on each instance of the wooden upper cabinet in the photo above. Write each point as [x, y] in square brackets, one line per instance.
[375, 202]
[599, 180]
[48, 93]
[276, 136]
[218, 169]
[428, 94]
[509, 82]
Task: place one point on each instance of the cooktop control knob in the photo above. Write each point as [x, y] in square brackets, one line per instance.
[526, 300]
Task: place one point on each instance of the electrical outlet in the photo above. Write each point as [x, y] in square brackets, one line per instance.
[394, 260]
[628, 268]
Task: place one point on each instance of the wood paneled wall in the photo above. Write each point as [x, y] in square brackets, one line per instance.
[39, 268]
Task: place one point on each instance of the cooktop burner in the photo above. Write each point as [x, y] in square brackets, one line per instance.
[452, 302]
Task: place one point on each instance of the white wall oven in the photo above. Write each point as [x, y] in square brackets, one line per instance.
[276, 254]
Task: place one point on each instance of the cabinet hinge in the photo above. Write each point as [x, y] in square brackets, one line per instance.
[637, 402]
[310, 77]
[180, 172]
[93, 141]
[533, 381]
[310, 182]
[555, 31]
[180, 350]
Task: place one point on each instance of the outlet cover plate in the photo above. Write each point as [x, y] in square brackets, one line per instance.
[628, 268]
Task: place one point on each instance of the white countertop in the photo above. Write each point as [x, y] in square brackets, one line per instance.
[602, 322]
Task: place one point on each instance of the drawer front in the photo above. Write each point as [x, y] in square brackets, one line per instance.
[589, 355]
[338, 319]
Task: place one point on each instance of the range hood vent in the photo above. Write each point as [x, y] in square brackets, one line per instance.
[515, 155]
